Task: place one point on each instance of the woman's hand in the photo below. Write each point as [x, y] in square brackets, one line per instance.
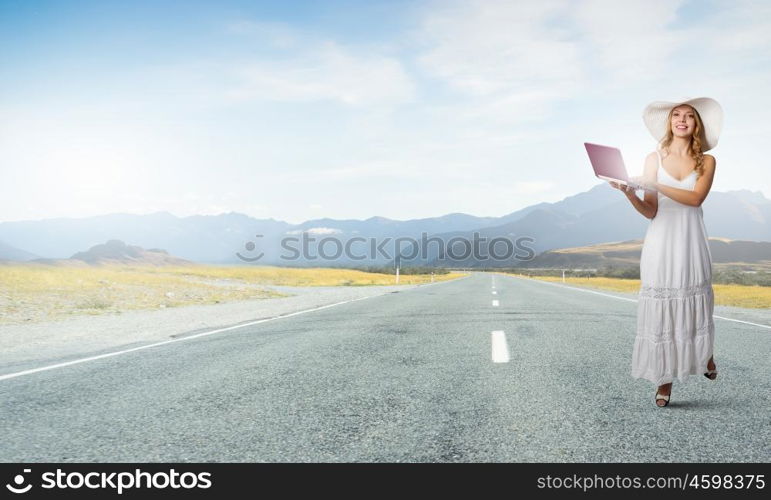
[644, 182]
[628, 191]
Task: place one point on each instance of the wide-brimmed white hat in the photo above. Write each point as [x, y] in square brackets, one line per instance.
[655, 118]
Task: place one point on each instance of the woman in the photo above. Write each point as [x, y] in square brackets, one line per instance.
[675, 328]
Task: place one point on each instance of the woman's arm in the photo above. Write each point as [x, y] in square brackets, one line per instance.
[696, 197]
[642, 206]
[649, 206]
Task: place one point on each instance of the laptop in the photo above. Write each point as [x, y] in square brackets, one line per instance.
[609, 165]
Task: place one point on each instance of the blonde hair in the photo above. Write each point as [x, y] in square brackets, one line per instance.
[694, 149]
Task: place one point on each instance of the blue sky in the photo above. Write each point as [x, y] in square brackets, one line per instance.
[349, 109]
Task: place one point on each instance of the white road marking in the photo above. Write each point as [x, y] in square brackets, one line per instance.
[742, 321]
[199, 335]
[495, 293]
[632, 300]
[576, 289]
[495, 303]
[500, 347]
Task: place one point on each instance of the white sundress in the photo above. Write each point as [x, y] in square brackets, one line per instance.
[675, 326]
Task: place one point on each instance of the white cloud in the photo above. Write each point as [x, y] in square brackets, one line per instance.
[507, 64]
[491, 47]
[745, 26]
[513, 65]
[277, 35]
[331, 72]
[631, 40]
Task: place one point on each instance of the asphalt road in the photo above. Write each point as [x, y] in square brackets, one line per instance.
[403, 377]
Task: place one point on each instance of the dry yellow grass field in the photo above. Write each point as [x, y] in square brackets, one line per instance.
[757, 297]
[266, 275]
[32, 292]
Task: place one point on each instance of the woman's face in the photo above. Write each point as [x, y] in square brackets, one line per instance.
[683, 121]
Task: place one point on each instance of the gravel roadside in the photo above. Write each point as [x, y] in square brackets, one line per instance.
[56, 341]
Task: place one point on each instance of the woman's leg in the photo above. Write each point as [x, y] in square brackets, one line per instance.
[711, 369]
[663, 390]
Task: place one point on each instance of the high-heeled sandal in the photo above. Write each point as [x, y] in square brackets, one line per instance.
[662, 397]
[711, 374]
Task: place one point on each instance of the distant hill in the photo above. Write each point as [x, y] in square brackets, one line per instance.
[9, 253]
[725, 250]
[627, 254]
[117, 252]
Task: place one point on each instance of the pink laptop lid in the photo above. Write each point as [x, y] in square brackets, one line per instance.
[606, 161]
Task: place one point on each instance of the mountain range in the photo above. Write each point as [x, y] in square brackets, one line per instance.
[599, 215]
